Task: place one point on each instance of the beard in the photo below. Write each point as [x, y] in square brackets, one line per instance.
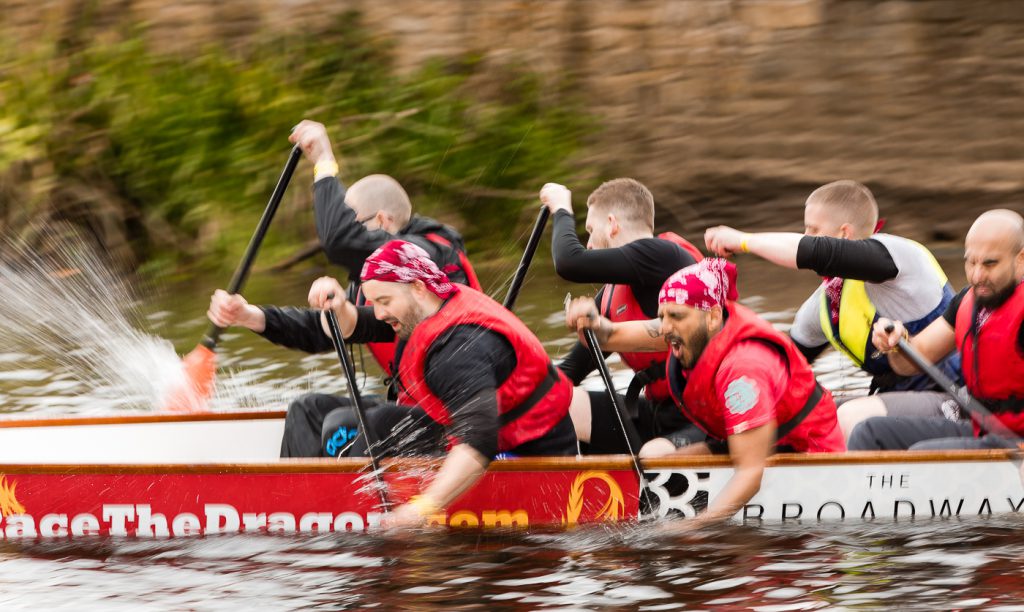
[996, 299]
[407, 324]
[690, 352]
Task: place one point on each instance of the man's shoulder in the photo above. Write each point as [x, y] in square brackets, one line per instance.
[902, 246]
[662, 248]
[426, 228]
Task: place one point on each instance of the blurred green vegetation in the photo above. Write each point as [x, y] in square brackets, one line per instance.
[172, 158]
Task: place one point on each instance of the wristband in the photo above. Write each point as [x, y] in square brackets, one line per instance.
[325, 168]
[423, 506]
[743, 243]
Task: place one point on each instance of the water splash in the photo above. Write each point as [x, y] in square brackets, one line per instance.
[66, 313]
[67, 307]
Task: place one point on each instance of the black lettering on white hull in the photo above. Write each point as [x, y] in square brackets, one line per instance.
[797, 508]
[1013, 506]
[868, 507]
[945, 509]
[896, 507]
[834, 504]
[750, 507]
[985, 507]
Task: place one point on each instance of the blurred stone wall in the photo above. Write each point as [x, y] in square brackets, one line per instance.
[713, 102]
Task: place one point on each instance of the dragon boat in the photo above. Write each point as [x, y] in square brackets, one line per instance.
[174, 475]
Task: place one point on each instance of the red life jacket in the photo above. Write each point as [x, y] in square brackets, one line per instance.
[993, 366]
[531, 401]
[806, 414]
[384, 352]
[618, 303]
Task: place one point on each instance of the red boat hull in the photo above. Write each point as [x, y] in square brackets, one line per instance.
[155, 501]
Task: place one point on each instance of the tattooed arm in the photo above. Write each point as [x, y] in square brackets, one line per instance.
[626, 337]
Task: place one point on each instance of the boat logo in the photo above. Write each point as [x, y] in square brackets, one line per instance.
[8, 501]
[614, 507]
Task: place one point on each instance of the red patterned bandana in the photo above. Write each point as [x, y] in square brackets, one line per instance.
[833, 286]
[704, 285]
[404, 262]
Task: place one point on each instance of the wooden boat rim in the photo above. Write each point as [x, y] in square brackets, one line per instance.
[525, 464]
[129, 419]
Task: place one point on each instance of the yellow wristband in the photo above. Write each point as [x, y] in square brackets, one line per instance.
[325, 168]
[743, 243]
[424, 506]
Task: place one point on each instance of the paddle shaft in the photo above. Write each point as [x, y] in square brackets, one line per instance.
[357, 402]
[628, 430]
[959, 394]
[524, 263]
[242, 271]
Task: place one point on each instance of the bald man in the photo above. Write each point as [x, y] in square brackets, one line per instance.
[373, 211]
[983, 322]
[866, 275]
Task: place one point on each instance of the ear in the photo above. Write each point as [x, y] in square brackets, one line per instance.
[715, 319]
[383, 220]
[613, 225]
[846, 231]
[419, 287]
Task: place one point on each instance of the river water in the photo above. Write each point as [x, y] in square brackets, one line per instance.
[946, 564]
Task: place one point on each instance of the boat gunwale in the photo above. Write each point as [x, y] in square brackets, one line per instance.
[524, 464]
[131, 419]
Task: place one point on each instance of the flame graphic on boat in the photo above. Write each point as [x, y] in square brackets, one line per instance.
[8, 502]
[612, 510]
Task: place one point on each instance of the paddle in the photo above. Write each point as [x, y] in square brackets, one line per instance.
[628, 430]
[959, 394]
[357, 401]
[201, 364]
[524, 263]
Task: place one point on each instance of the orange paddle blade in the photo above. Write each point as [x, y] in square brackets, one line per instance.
[200, 370]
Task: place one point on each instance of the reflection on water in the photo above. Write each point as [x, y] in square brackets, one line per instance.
[919, 565]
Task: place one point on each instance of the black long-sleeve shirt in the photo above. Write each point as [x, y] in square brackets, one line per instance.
[642, 264]
[864, 260]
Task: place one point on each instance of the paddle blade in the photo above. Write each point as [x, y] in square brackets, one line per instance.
[200, 367]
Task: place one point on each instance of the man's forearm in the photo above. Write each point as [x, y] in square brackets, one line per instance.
[744, 484]
[749, 452]
[901, 365]
[461, 469]
[777, 247]
[632, 336]
[347, 316]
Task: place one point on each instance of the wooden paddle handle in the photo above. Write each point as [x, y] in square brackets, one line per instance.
[524, 263]
[245, 265]
[357, 401]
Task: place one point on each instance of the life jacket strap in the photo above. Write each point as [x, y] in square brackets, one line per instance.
[534, 398]
[642, 378]
[1010, 404]
[786, 428]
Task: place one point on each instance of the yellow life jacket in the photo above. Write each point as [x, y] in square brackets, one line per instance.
[857, 315]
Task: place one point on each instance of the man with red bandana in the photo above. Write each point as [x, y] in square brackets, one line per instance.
[744, 383]
[352, 223]
[470, 375]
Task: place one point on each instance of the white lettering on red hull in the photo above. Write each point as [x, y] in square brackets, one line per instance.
[139, 520]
